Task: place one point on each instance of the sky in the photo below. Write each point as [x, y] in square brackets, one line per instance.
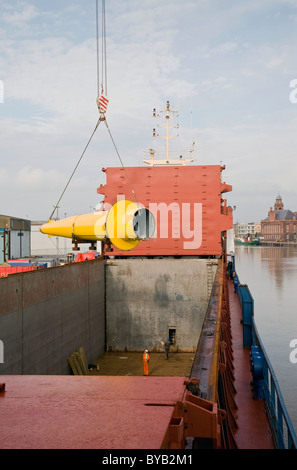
[229, 67]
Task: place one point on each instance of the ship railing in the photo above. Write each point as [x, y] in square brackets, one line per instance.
[283, 430]
[267, 386]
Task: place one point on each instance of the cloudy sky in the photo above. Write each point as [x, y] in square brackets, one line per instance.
[225, 65]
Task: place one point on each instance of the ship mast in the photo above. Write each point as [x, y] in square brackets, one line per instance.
[167, 114]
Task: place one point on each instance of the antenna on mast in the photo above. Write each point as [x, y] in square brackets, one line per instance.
[166, 114]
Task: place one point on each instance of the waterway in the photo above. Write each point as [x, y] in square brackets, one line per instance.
[271, 275]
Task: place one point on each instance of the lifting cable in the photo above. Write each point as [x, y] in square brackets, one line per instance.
[133, 192]
[104, 81]
[97, 39]
[98, 87]
[98, 122]
[104, 68]
[102, 110]
[103, 50]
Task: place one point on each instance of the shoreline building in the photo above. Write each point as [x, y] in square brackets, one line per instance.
[280, 225]
[244, 229]
[15, 238]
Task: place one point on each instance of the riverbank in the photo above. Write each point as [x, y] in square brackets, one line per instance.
[274, 243]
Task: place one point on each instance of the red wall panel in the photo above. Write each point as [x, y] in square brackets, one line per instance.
[187, 198]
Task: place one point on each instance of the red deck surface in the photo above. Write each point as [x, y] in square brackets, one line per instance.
[108, 412]
[253, 427]
[83, 412]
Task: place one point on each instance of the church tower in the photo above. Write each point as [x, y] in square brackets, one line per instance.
[278, 206]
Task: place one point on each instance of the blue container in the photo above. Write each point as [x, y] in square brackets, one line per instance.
[247, 305]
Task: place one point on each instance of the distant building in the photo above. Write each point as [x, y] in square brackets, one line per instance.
[245, 229]
[280, 225]
[15, 235]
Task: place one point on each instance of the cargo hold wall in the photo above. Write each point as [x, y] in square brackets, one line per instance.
[149, 299]
[48, 314]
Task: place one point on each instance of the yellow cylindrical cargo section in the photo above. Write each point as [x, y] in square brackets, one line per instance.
[90, 226]
[125, 225]
[85, 227]
[119, 225]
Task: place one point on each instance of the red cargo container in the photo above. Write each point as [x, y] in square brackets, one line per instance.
[5, 271]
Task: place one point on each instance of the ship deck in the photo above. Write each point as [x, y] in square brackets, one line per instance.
[253, 430]
[87, 412]
[104, 410]
[107, 409]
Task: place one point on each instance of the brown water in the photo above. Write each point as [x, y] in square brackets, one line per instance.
[271, 275]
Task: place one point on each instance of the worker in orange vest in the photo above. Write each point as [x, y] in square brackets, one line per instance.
[146, 359]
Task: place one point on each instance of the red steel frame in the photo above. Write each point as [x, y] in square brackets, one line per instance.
[175, 187]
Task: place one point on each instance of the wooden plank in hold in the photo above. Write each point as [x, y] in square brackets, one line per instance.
[83, 358]
[73, 365]
[78, 362]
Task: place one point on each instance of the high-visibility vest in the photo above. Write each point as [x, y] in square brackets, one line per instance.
[146, 357]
